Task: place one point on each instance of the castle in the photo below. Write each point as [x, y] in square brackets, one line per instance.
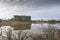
[22, 18]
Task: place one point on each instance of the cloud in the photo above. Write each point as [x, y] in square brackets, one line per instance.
[29, 2]
[37, 9]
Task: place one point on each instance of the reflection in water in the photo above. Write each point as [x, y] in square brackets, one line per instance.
[30, 26]
[22, 26]
[44, 25]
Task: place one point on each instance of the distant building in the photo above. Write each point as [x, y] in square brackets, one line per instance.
[0, 20]
[22, 18]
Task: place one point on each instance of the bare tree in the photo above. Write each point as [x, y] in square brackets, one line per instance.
[24, 35]
[6, 31]
[50, 32]
[19, 33]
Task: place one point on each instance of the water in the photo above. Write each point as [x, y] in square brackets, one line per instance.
[44, 25]
[34, 27]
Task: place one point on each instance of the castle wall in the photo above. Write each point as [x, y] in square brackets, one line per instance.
[22, 18]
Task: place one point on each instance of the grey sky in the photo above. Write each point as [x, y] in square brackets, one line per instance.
[37, 9]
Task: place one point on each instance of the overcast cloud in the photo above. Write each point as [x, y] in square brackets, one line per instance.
[37, 9]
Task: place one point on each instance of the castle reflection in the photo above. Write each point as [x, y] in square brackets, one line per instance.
[22, 27]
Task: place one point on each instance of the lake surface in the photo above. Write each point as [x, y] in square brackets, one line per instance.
[44, 25]
[35, 27]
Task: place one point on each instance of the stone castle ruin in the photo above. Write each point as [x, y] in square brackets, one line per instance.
[22, 18]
